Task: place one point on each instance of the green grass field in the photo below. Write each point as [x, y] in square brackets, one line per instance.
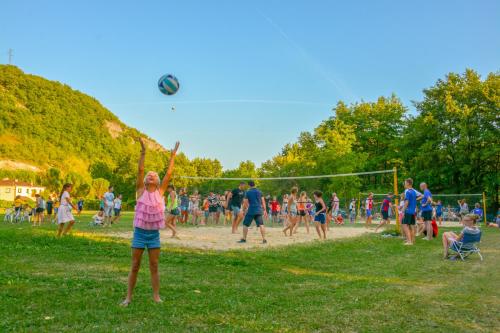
[366, 284]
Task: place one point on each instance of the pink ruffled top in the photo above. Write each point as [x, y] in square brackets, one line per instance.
[150, 211]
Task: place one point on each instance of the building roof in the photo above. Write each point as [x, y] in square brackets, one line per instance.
[15, 182]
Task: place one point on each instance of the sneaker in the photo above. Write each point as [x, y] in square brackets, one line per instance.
[425, 238]
[241, 241]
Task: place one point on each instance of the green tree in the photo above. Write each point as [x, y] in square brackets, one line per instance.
[99, 187]
[453, 142]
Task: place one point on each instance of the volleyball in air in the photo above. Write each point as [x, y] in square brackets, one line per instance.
[168, 84]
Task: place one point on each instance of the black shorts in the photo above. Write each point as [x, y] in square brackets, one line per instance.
[409, 219]
[249, 218]
[427, 215]
[274, 213]
[302, 213]
[175, 212]
[385, 215]
[40, 210]
[212, 209]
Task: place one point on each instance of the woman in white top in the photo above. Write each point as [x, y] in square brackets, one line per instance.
[64, 212]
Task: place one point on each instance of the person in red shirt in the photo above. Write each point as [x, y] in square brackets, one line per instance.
[368, 208]
[435, 229]
[274, 209]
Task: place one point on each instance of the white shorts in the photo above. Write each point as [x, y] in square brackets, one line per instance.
[108, 211]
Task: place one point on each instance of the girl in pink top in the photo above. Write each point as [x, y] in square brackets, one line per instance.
[149, 218]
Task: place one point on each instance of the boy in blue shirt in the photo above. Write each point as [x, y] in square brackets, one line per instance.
[409, 209]
[255, 205]
[426, 208]
[478, 211]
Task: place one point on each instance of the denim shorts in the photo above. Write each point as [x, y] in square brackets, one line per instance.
[320, 218]
[368, 212]
[143, 239]
[236, 209]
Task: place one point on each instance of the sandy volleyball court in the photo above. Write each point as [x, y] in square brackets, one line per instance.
[220, 238]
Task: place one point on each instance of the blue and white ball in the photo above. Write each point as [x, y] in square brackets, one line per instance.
[168, 84]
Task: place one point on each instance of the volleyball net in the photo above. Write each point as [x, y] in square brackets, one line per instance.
[346, 186]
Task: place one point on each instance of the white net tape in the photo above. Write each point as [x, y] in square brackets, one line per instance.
[296, 177]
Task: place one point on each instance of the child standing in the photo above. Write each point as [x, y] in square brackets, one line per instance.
[64, 212]
[172, 210]
[352, 211]
[149, 218]
[369, 207]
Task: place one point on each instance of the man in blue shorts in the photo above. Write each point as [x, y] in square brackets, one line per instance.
[233, 202]
[409, 208]
[426, 209]
[255, 205]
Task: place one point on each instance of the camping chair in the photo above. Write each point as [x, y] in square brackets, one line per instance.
[467, 246]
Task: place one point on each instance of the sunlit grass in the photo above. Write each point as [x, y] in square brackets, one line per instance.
[366, 284]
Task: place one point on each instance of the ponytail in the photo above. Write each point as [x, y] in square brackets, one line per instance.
[64, 188]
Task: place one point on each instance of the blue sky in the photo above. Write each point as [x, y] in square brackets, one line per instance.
[253, 74]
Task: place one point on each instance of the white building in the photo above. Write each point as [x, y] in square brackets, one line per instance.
[10, 188]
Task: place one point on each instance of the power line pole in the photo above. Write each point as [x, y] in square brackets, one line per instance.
[10, 56]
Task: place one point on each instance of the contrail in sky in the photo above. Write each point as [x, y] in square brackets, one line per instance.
[341, 87]
[229, 101]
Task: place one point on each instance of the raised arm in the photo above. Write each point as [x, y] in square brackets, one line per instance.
[168, 175]
[139, 184]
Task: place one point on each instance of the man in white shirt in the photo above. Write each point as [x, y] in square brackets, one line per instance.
[108, 197]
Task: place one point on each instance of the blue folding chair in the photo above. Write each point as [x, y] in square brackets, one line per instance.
[468, 245]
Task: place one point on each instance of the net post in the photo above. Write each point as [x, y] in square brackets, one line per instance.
[484, 208]
[396, 200]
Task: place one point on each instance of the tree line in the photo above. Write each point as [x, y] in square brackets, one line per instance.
[450, 139]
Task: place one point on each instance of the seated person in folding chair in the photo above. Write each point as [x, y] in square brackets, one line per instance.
[495, 224]
[98, 219]
[452, 241]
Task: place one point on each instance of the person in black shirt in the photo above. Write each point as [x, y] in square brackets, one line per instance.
[213, 205]
[234, 201]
